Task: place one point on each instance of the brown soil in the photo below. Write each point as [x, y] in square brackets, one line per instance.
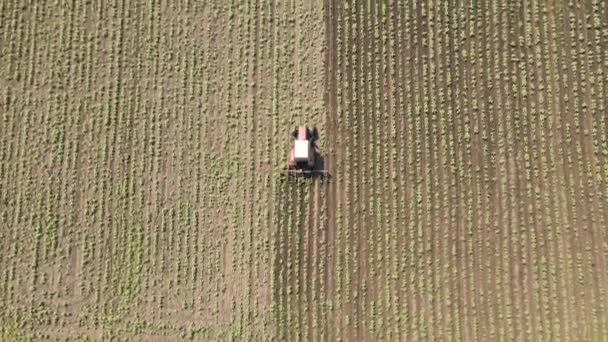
[141, 144]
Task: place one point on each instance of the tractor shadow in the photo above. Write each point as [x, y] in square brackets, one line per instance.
[319, 162]
[319, 169]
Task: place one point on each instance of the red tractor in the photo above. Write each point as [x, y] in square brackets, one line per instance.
[302, 157]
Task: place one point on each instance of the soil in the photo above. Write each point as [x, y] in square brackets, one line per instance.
[141, 147]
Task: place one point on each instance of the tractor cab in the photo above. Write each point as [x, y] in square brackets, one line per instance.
[302, 151]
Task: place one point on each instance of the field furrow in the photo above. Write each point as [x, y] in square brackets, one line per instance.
[143, 146]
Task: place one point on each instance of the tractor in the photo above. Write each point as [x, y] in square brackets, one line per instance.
[303, 157]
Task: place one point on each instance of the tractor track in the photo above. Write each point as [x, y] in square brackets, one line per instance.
[399, 225]
[587, 191]
[507, 187]
[561, 175]
[365, 176]
[532, 307]
[385, 163]
[373, 202]
[467, 240]
[475, 169]
[553, 252]
[331, 62]
[313, 213]
[567, 174]
[411, 179]
[456, 215]
[547, 222]
[343, 227]
[423, 167]
[440, 234]
[487, 137]
[362, 232]
[351, 245]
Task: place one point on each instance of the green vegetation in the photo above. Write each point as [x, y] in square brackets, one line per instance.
[141, 145]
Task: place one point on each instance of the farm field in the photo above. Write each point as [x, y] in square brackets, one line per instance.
[142, 143]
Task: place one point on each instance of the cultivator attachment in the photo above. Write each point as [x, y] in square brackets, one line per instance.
[296, 173]
[305, 172]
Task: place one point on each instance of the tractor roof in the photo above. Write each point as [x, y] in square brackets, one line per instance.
[302, 149]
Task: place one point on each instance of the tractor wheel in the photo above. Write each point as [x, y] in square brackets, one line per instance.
[315, 134]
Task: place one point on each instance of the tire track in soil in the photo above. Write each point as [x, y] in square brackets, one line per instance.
[542, 225]
[342, 220]
[522, 127]
[431, 181]
[408, 126]
[414, 142]
[495, 171]
[396, 36]
[541, 78]
[309, 279]
[581, 198]
[423, 161]
[344, 242]
[431, 177]
[379, 226]
[331, 129]
[294, 187]
[569, 175]
[487, 132]
[373, 201]
[321, 266]
[511, 174]
[287, 189]
[465, 173]
[301, 235]
[275, 199]
[602, 45]
[476, 227]
[301, 220]
[294, 227]
[315, 208]
[561, 171]
[361, 228]
[552, 251]
[254, 94]
[503, 205]
[386, 164]
[289, 199]
[306, 251]
[588, 161]
[364, 231]
[350, 51]
[360, 233]
[388, 137]
[277, 276]
[304, 189]
[443, 175]
[459, 289]
[602, 250]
